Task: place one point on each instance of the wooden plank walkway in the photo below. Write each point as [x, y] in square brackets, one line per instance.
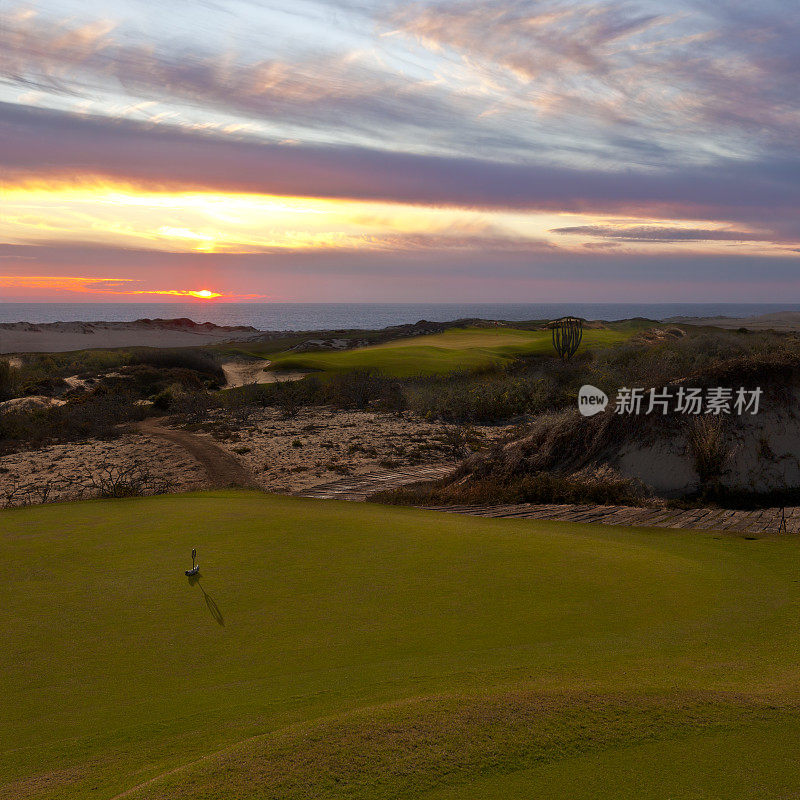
[359, 487]
[761, 521]
[765, 520]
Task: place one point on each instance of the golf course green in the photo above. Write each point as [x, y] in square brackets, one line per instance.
[350, 650]
[441, 353]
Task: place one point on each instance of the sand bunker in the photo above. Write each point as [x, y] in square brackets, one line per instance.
[243, 373]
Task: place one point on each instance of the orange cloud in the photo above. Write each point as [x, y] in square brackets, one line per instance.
[67, 283]
[73, 283]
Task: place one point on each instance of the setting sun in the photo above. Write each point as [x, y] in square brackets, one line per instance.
[204, 293]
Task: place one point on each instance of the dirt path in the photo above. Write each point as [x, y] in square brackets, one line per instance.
[220, 466]
[766, 520]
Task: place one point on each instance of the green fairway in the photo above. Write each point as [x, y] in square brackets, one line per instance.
[334, 650]
[436, 354]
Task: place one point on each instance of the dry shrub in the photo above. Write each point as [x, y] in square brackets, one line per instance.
[563, 442]
[8, 380]
[710, 449]
[131, 480]
[601, 485]
[563, 459]
[134, 479]
[355, 389]
[288, 397]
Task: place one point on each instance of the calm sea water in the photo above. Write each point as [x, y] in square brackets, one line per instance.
[330, 316]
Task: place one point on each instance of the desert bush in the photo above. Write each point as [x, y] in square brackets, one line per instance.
[354, 389]
[710, 450]
[637, 363]
[487, 397]
[82, 362]
[8, 380]
[193, 406]
[130, 480]
[241, 403]
[602, 485]
[563, 458]
[194, 360]
[15, 492]
[105, 480]
[458, 441]
[563, 441]
[97, 416]
[288, 397]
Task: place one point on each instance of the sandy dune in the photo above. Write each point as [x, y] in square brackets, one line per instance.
[62, 337]
[777, 321]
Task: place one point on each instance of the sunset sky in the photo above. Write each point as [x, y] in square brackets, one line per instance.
[359, 150]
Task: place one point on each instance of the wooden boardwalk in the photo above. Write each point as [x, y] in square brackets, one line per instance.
[766, 520]
[359, 487]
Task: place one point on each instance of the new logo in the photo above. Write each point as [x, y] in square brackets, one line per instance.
[591, 400]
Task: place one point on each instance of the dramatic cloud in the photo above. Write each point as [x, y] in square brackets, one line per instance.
[697, 78]
[645, 233]
[612, 83]
[41, 143]
[649, 147]
[322, 94]
[108, 286]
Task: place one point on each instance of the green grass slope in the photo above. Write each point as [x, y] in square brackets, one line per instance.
[336, 650]
[436, 354]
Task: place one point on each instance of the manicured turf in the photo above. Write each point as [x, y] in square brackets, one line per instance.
[352, 650]
[456, 349]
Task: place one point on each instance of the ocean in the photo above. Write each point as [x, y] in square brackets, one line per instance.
[331, 316]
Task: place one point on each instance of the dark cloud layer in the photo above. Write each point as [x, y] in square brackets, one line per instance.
[644, 110]
[43, 143]
[652, 233]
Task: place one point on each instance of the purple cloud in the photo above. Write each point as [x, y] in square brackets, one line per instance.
[41, 143]
[652, 233]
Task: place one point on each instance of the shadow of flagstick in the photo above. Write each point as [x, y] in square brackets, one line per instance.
[210, 602]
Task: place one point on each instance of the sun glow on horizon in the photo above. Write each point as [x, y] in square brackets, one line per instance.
[110, 286]
[120, 214]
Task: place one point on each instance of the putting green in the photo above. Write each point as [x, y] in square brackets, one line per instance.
[436, 354]
[350, 650]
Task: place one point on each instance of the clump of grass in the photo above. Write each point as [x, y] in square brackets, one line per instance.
[194, 360]
[562, 459]
[710, 451]
[97, 416]
[8, 380]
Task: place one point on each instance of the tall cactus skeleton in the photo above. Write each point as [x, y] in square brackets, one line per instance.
[567, 335]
